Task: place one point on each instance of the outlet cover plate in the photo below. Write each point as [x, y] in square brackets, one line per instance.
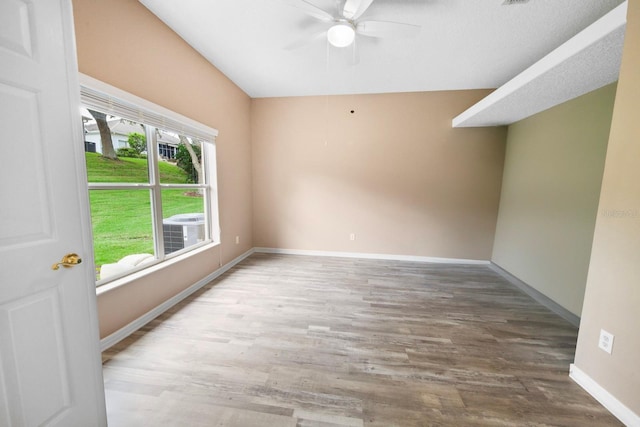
[606, 341]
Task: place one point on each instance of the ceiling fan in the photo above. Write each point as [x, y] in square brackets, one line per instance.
[346, 23]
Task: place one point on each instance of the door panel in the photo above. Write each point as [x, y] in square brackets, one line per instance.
[33, 326]
[50, 369]
[15, 28]
[28, 221]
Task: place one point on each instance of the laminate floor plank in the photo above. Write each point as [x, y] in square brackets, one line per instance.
[284, 340]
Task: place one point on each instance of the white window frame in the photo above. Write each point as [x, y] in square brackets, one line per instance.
[114, 101]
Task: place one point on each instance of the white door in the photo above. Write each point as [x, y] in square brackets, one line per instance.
[50, 370]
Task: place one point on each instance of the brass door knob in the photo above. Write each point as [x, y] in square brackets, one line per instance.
[69, 260]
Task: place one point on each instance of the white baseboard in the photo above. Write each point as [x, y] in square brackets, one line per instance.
[606, 399]
[130, 328]
[389, 257]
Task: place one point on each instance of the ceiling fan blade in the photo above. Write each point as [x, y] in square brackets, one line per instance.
[311, 9]
[305, 41]
[353, 9]
[387, 29]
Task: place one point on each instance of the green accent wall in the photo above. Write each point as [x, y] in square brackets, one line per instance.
[550, 190]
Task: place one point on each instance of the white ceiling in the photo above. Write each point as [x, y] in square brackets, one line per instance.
[463, 44]
[586, 62]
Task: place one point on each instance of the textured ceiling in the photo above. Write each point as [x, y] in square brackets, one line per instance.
[586, 62]
[463, 44]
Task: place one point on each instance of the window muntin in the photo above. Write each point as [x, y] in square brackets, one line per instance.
[146, 208]
[157, 120]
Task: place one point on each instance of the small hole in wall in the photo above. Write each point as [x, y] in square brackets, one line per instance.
[353, 111]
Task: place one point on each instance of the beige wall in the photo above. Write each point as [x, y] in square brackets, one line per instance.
[394, 172]
[550, 190]
[612, 299]
[123, 44]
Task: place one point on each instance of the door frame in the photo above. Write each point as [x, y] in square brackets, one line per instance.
[79, 163]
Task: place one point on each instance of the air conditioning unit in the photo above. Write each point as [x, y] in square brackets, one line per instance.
[182, 230]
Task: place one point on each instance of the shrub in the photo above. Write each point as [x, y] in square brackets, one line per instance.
[127, 152]
[138, 142]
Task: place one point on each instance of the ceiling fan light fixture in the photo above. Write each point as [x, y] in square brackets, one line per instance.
[341, 35]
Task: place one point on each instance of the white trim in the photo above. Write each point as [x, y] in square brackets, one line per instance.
[210, 152]
[617, 408]
[138, 323]
[389, 257]
[91, 310]
[110, 99]
[141, 103]
[141, 271]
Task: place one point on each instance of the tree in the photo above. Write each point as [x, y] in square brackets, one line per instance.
[105, 135]
[190, 161]
[138, 142]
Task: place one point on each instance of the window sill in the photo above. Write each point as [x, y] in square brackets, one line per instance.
[123, 281]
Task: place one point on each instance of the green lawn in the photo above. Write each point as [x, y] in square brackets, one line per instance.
[121, 219]
[100, 169]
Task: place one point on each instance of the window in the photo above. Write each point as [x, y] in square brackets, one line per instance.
[151, 179]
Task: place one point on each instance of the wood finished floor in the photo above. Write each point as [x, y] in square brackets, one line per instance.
[305, 341]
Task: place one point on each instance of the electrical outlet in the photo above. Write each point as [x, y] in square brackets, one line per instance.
[237, 240]
[352, 236]
[606, 341]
